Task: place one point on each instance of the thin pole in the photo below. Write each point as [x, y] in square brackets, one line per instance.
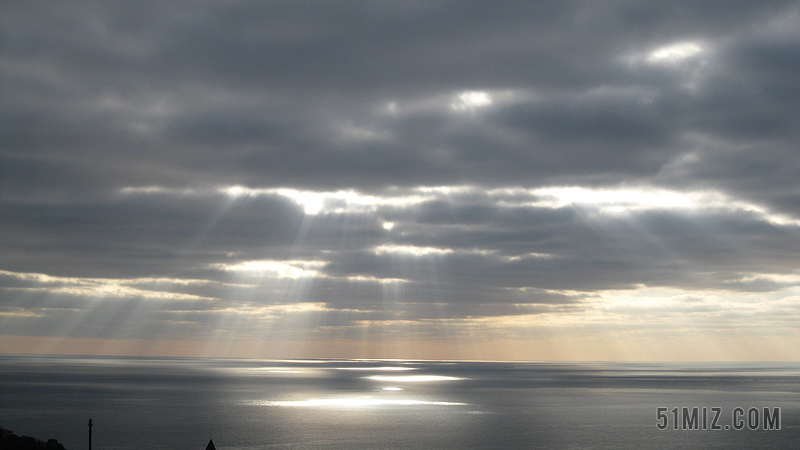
[90, 434]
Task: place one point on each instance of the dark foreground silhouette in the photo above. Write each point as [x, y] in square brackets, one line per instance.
[10, 441]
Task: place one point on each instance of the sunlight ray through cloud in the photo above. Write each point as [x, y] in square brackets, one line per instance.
[553, 180]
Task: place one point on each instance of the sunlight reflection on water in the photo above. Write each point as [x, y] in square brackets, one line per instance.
[352, 402]
[305, 405]
[413, 378]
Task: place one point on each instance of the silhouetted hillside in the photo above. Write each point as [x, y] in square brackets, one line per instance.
[10, 441]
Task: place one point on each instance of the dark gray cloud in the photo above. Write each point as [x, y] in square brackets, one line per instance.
[255, 93]
[393, 162]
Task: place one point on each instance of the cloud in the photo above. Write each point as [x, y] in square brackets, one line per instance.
[328, 171]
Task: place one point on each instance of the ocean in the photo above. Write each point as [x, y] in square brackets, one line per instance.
[181, 403]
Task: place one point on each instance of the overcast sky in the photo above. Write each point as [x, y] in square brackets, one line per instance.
[416, 179]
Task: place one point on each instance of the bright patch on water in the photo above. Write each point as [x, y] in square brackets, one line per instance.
[413, 378]
[352, 402]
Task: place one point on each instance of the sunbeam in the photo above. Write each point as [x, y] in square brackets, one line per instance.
[512, 196]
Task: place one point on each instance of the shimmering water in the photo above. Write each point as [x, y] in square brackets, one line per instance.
[324, 404]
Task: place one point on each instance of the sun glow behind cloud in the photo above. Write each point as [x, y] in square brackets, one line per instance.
[471, 100]
[314, 203]
[606, 199]
[104, 287]
[674, 53]
[412, 250]
[277, 269]
[670, 55]
[615, 200]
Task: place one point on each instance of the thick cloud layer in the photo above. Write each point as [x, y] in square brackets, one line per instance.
[297, 170]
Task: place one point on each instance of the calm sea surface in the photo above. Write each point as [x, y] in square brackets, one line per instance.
[179, 404]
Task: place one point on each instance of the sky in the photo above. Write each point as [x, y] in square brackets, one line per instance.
[554, 180]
